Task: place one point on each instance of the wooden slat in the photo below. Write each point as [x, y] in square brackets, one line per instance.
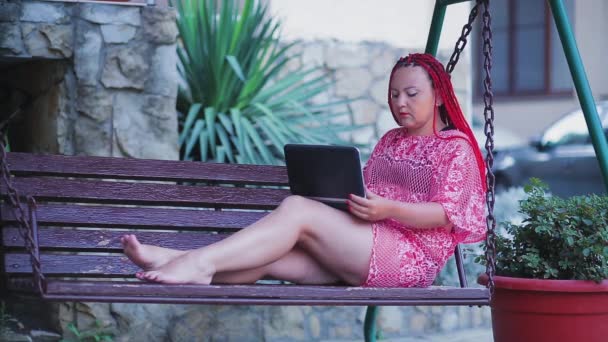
[108, 240]
[261, 291]
[89, 191]
[71, 265]
[264, 301]
[259, 294]
[72, 215]
[144, 169]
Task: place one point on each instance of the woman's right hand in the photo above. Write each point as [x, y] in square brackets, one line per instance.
[373, 208]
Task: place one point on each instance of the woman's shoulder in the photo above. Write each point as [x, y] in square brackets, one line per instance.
[391, 133]
[454, 139]
[389, 137]
[452, 133]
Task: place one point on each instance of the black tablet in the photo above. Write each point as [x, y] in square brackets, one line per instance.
[325, 173]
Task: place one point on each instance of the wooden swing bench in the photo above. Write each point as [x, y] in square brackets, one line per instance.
[85, 204]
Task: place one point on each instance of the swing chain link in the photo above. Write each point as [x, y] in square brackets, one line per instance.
[488, 98]
[26, 227]
[462, 40]
[488, 113]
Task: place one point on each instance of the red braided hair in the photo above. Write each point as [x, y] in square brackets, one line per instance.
[449, 111]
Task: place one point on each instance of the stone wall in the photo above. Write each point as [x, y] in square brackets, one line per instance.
[152, 322]
[104, 77]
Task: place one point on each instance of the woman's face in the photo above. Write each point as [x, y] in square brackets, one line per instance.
[412, 100]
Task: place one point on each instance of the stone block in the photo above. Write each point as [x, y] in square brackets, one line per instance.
[110, 14]
[34, 41]
[341, 331]
[163, 72]
[10, 11]
[145, 126]
[314, 326]
[65, 130]
[126, 67]
[159, 25]
[87, 54]
[352, 82]
[379, 91]
[213, 323]
[285, 323]
[86, 316]
[341, 55]
[94, 103]
[44, 12]
[10, 39]
[464, 317]
[314, 54]
[60, 38]
[418, 323]
[391, 319]
[383, 63]
[49, 41]
[449, 321]
[363, 135]
[365, 111]
[147, 322]
[117, 33]
[92, 138]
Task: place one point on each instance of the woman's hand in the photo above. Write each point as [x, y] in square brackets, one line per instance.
[372, 208]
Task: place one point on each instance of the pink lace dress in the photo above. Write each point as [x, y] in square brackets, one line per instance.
[423, 169]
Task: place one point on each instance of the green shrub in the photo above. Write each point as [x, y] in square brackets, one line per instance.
[234, 106]
[558, 239]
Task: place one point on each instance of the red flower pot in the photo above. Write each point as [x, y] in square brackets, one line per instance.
[549, 310]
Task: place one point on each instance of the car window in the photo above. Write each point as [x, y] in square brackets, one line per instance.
[569, 130]
[572, 128]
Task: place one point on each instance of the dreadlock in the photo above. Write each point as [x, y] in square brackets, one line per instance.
[449, 112]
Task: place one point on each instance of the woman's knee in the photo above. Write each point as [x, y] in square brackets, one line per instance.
[297, 206]
[300, 211]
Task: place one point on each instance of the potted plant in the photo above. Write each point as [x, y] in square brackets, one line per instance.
[552, 270]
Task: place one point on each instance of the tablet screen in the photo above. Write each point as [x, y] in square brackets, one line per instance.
[325, 173]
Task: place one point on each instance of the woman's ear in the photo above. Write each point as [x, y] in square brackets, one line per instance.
[438, 101]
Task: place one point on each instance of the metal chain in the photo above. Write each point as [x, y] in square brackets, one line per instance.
[488, 98]
[462, 41]
[25, 226]
[488, 113]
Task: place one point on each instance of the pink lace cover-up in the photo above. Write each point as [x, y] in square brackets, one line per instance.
[423, 169]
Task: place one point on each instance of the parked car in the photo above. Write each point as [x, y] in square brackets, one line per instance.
[503, 138]
[561, 156]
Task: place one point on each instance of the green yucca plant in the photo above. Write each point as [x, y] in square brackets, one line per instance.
[233, 105]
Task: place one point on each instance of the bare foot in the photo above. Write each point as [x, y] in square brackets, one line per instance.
[186, 269]
[147, 257]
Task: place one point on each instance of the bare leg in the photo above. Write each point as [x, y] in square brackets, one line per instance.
[319, 229]
[147, 257]
[297, 267]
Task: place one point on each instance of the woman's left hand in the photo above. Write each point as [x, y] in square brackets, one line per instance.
[372, 208]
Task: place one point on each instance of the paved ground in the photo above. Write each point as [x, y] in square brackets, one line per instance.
[474, 335]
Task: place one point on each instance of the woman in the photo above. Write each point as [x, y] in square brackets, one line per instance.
[425, 194]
